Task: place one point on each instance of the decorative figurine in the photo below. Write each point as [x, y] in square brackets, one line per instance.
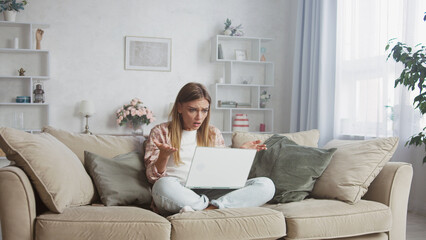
[39, 36]
[263, 50]
[21, 72]
[38, 94]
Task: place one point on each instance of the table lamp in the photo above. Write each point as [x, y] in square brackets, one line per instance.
[87, 109]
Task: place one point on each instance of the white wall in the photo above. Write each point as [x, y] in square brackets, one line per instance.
[86, 40]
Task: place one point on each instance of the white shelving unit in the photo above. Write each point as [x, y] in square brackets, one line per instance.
[243, 81]
[36, 64]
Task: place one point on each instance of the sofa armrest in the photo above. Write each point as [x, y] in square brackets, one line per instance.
[17, 204]
[392, 188]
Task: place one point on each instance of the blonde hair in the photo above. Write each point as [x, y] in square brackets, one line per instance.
[190, 92]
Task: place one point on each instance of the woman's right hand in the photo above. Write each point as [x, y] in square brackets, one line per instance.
[165, 149]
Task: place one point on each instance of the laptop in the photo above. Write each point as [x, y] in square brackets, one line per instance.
[219, 168]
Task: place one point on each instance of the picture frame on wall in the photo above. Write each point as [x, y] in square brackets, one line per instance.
[240, 55]
[148, 53]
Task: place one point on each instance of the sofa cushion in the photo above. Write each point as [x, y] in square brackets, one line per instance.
[57, 174]
[230, 223]
[120, 180]
[99, 222]
[104, 145]
[324, 219]
[306, 138]
[293, 168]
[353, 167]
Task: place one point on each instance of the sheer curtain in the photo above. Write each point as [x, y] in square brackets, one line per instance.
[367, 104]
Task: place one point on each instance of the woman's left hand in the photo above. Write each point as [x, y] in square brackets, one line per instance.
[254, 145]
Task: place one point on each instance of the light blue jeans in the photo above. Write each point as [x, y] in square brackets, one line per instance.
[170, 195]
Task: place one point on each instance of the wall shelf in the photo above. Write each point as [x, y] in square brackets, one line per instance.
[243, 82]
[36, 64]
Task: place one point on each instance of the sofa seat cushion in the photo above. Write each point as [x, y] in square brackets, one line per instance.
[99, 222]
[231, 223]
[323, 219]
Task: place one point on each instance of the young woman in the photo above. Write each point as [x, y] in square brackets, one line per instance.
[169, 152]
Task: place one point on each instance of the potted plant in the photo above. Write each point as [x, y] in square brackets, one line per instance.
[413, 77]
[264, 98]
[10, 8]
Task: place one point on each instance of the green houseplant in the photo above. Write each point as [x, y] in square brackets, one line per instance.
[413, 77]
[11, 7]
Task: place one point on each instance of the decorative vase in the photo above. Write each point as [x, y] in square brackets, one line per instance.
[137, 129]
[9, 16]
[227, 32]
[241, 123]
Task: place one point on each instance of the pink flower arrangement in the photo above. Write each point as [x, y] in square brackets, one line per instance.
[134, 114]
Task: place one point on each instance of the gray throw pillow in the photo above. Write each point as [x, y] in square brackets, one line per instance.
[293, 168]
[120, 181]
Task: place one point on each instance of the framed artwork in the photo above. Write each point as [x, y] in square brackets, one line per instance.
[148, 53]
[240, 55]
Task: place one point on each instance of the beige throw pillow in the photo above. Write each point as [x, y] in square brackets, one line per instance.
[353, 167]
[57, 174]
[305, 138]
[104, 145]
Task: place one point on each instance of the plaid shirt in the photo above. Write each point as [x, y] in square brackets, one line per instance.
[161, 134]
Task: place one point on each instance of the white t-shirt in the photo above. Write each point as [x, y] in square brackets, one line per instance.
[188, 144]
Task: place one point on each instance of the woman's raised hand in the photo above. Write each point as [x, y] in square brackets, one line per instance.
[254, 145]
[165, 149]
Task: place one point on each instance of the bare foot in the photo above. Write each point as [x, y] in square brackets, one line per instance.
[210, 207]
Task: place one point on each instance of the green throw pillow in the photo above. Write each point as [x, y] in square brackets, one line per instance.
[293, 168]
[120, 181]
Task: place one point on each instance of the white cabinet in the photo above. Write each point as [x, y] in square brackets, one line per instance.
[17, 50]
[243, 81]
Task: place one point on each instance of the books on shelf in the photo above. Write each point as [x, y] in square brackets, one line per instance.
[233, 104]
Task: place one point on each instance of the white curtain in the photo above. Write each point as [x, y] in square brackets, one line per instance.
[367, 104]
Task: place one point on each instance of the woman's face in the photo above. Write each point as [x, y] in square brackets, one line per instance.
[193, 113]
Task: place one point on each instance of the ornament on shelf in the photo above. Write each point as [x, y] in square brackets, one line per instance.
[38, 93]
[264, 98]
[241, 123]
[262, 51]
[219, 51]
[39, 37]
[21, 72]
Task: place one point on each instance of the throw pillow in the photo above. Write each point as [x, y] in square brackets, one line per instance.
[105, 145]
[305, 138]
[293, 168]
[353, 167]
[121, 180]
[56, 172]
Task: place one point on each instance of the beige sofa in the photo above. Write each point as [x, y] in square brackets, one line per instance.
[380, 214]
